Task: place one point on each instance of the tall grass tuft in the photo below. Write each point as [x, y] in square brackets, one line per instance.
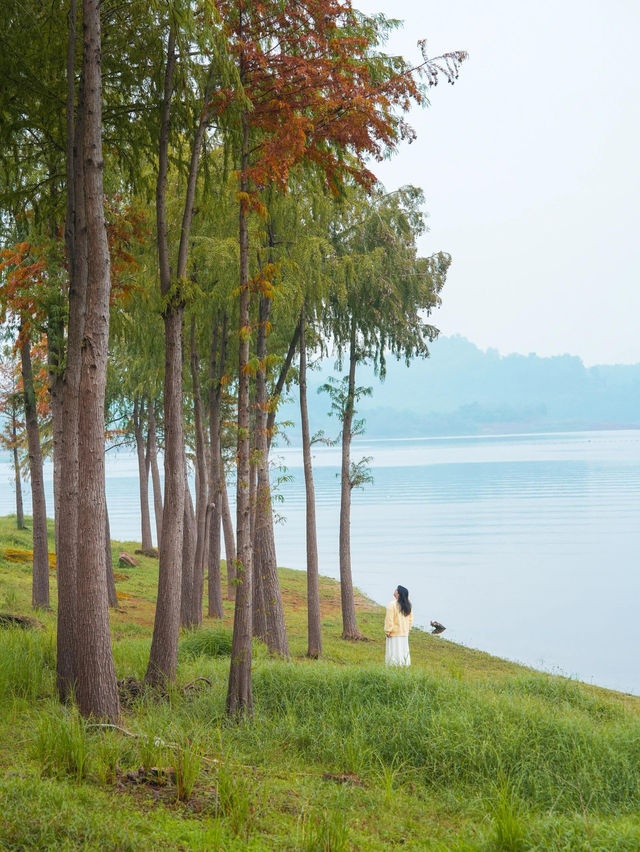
[206, 643]
[27, 664]
[188, 761]
[326, 831]
[10, 597]
[61, 745]
[152, 751]
[239, 800]
[389, 776]
[508, 828]
[107, 751]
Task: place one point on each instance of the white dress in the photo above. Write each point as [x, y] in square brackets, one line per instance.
[397, 651]
[397, 646]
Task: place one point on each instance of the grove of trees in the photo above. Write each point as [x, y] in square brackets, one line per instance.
[188, 213]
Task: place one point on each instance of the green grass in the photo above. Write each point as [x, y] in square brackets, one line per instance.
[461, 752]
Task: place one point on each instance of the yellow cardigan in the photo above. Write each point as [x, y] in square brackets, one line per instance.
[395, 622]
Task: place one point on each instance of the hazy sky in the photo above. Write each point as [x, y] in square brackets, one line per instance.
[531, 169]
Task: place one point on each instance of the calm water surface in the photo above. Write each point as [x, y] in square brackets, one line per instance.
[523, 546]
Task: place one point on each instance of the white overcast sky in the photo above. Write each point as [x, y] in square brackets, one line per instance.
[531, 169]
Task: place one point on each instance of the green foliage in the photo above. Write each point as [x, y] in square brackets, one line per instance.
[45, 814]
[451, 734]
[107, 750]
[187, 762]
[360, 473]
[239, 799]
[10, 597]
[152, 750]
[61, 747]
[342, 401]
[382, 289]
[206, 642]
[508, 829]
[27, 664]
[326, 831]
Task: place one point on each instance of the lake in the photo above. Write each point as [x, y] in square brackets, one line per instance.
[525, 546]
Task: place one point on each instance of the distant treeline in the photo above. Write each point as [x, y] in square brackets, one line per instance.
[461, 389]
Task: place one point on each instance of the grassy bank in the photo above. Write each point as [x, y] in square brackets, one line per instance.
[461, 752]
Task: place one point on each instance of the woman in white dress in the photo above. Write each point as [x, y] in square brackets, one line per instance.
[397, 624]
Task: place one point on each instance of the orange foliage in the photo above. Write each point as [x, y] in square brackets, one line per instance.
[313, 95]
[26, 264]
[24, 267]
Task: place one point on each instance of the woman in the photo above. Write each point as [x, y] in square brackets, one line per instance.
[397, 624]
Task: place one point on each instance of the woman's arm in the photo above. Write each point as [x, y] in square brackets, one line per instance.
[389, 619]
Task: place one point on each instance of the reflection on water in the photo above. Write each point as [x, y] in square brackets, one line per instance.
[524, 546]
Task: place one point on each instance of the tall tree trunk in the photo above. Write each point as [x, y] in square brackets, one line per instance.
[214, 579]
[143, 474]
[239, 694]
[96, 690]
[216, 366]
[164, 645]
[188, 561]
[163, 658]
[349, 623]
[40, 584]
[258, 614]
[223, 501]
[68, 385]
[314, 631]
[152, 458]
[16, 468]
[202, 486]
[217, 602]
[112, 595]
[55, 344]
[263, 533]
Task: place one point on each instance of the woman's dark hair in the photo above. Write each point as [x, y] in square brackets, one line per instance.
[403, 600]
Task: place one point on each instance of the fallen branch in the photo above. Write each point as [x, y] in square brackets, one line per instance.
[115, 727]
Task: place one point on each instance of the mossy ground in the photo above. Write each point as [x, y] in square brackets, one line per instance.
[463, 751]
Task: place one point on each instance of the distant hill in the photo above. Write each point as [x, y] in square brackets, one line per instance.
[461, 389]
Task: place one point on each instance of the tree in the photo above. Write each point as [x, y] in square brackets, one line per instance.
[40, 586]
[143, 471]
[192, 607]
[383, 294]
[311, 90]
[25, 271]
[164, 646]
[151, 459]
[314, 632]
[65, 372]
[264, 540]
[288, 85]
[96, 689]
[344, 396]
[13, 428]
[217, 355]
